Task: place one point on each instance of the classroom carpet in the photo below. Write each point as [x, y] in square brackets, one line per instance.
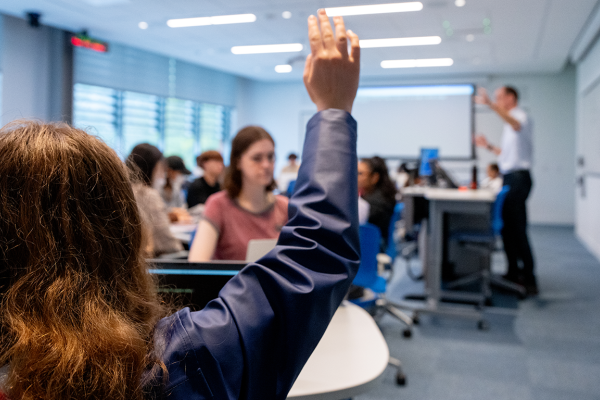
[547, 348]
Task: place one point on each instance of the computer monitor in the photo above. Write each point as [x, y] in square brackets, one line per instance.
[193, 284]
[427, 156]
[442, 177]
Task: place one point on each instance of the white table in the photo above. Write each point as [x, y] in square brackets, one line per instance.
[442, 201]
[183, 232]
[348, 361]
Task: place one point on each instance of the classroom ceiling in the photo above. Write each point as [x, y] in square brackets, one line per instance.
[523, 36]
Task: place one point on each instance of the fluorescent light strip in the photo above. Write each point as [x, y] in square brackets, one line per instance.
[410, 41]
[267, 48]
[283, 69]
[426, 62]
[374, 9]
[415, 91]
[218, 20]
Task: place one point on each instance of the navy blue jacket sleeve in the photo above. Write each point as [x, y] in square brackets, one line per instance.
[253, 340]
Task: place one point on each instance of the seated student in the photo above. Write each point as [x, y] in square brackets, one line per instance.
[208, 184]
[375, 186]
[402, 177]
[172, 192]
[247, 208]
[288, 174]
[80, 316]
[147, 161]
[493, 180]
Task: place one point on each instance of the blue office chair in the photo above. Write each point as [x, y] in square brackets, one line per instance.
[484, 242]
[386, 260]
[368, 277]
[391, 249]
[290, 188]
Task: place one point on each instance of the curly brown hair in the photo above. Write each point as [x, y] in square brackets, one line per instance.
[78, 307]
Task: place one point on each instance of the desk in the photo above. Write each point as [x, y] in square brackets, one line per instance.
[183, 232]
[446, 201]
[348, 361]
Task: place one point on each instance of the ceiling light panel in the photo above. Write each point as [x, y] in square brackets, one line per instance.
[217, 20]
[374, 9]
[283, 69]
[398, 42]
[267, 48]
[418, 63]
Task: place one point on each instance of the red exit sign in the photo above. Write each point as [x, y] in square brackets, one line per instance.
[89, 43]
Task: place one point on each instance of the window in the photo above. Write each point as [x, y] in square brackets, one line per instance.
[212, 127]
[95, 110]
[141, 120]
[124, 119]
[181, 136]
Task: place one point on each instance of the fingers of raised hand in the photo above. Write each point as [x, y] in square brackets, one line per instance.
[326, 31]
[314, 35]
[307, 68]
[341, 38]
[354, 47]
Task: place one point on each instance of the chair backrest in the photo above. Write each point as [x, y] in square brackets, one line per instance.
[370, 238]
[391, 244]
[290, 189]
[497, 221]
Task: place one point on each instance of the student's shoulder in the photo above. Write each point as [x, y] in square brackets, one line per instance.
[219, 199]
[198, 182]
[281, 201]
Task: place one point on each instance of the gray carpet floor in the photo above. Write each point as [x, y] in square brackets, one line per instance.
[545, 348]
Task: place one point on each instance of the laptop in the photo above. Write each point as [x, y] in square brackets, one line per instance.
[258, 248]
[192, 284]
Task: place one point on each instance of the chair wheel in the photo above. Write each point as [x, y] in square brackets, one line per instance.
[400, 379]
[482, 325]
[416, 319]
[407, 333]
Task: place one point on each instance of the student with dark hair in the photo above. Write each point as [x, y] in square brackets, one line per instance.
[201, 189]
[176, 174]
[375, 186]
[247, 208]
[493, 181]
[147, 162]
[292, 167]
[79, 315]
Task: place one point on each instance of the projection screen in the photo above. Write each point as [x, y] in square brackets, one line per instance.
[396, 122]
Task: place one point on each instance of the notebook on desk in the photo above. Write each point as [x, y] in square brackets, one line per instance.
[193, 284]
[258, 248]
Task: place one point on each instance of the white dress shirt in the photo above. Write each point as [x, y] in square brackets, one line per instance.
[494, 185]
[517, 146]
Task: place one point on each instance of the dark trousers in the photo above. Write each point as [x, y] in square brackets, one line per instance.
[514, 233]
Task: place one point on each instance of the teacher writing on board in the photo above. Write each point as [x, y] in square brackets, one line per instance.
[514, 160]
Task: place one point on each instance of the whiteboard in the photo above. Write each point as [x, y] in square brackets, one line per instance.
[399, 121]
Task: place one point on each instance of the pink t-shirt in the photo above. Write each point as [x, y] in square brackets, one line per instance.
[237, 226]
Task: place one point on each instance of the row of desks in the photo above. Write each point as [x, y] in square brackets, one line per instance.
[441, 202]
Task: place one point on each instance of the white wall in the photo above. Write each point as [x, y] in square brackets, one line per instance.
[283, 110]
[31, 64]
[587, 196]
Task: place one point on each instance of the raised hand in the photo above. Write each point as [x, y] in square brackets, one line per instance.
[482, 97]
[331, 73]
[481, 141]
